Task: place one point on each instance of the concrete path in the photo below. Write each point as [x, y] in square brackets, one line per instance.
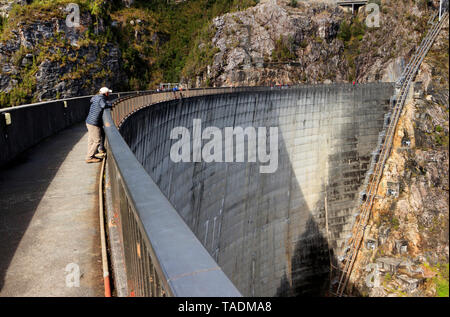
[49, 220]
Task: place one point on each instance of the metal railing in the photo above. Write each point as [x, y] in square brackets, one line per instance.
[133, 187]
[24, 126]
[125, 107]
[135, 195]
[162, 255]
[353, 245]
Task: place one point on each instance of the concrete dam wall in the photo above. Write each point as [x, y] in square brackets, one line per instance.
[267, 231]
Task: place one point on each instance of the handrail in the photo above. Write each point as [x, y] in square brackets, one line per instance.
[136, 194]
[42, 103]
[23, 126]
[162, 255]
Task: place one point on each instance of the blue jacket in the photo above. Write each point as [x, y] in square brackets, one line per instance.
[98, 104]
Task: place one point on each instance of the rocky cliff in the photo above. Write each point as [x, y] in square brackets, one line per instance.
[289, 42]
[42, 58]
[272, 43]
[408, 234]
[123, 44]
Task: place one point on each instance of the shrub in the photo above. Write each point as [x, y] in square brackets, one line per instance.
[387, 277]
[358, 28]
[4, 100]
[202, 53]
[345, 32]
[395, 223]
[282, 51]
[441, 280]
[3, 22]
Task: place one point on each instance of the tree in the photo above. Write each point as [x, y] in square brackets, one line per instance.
[98, 8]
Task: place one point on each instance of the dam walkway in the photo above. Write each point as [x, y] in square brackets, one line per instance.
[49, 220]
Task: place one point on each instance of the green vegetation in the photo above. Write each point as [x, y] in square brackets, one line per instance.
[352, 35]
[57, 49]
[293, 3]
[180, 27]
[158, 40]
[283, 50]
[38, 10]
[387, 278]
[167, 41]
[98, 8]
[201, 54]
[3, 22]
[22, 93]
[440, 138]
[441, 279]
[395, 223]
[345, 32]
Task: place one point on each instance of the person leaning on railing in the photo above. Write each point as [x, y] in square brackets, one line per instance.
[94, 124]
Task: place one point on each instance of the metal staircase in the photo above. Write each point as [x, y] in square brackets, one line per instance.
[404, 83]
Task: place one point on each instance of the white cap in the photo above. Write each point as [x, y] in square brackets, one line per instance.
[104, 90]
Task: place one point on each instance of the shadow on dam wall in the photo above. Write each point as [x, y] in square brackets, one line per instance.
[267, 231]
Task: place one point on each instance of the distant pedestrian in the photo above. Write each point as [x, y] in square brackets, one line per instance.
[94, 124]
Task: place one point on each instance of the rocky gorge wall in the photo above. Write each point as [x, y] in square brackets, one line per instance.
[291, 42]
[44, 58]
[267, 231]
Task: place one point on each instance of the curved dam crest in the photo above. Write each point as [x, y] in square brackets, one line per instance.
[267, 231]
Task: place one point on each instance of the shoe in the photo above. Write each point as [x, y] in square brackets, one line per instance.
[93, 160]
[100, 155]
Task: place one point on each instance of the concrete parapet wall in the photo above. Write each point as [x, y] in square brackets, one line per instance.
[267, 231]
[32, 123]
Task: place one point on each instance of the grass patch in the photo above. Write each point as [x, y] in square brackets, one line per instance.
[441, 279]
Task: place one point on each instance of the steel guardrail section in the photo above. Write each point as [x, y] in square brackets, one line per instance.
[125, 107]
[183, 265]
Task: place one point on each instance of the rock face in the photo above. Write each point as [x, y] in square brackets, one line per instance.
[413, 227]
[246, 40]
[6, 5]
[411, 224]
[276, 43]
[44, 58]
